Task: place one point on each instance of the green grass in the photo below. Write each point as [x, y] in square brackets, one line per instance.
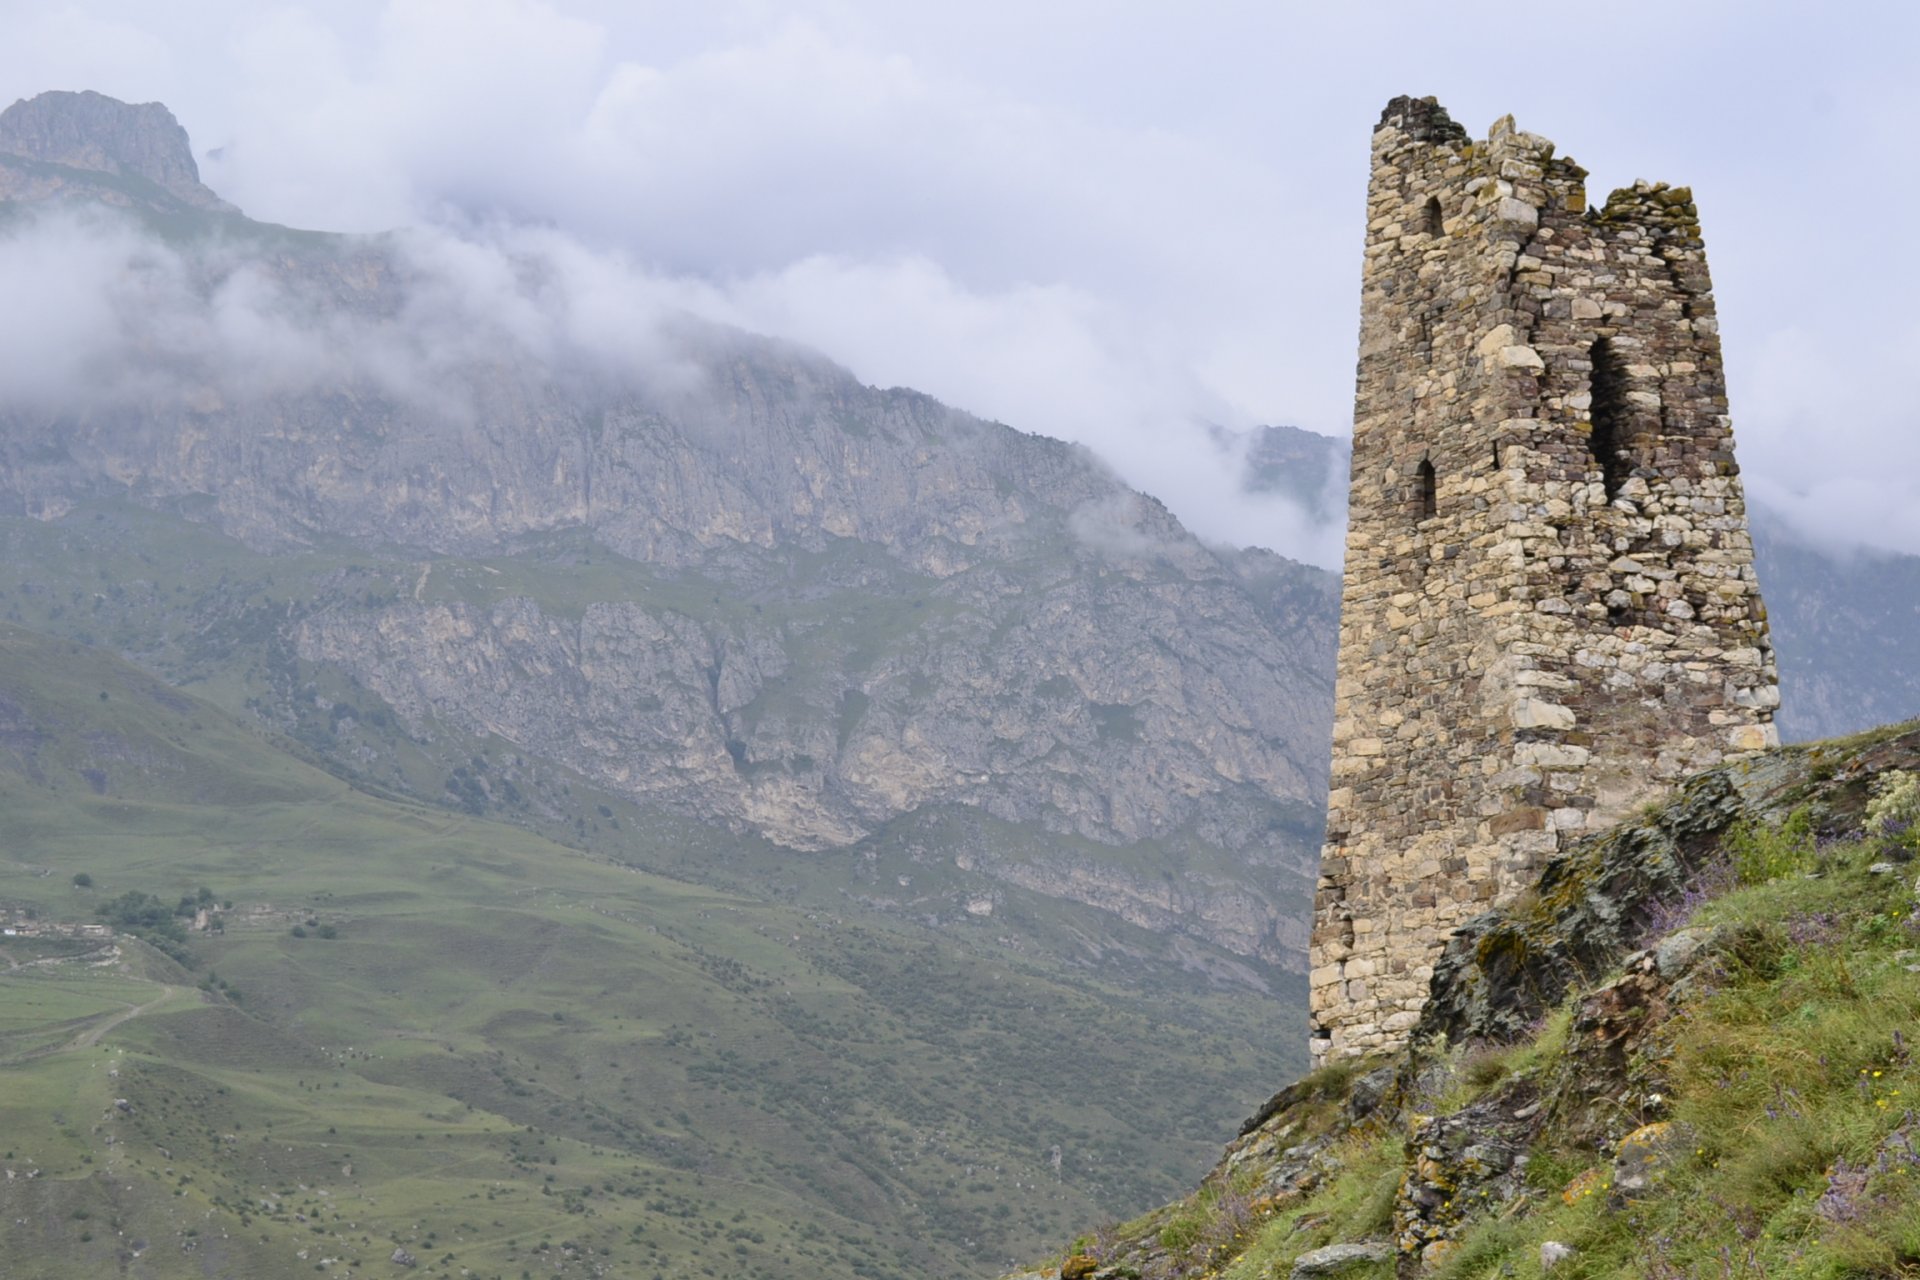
[513, 1042]
[1791, 1064]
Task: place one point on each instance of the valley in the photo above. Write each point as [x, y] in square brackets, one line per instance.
[480, 1028]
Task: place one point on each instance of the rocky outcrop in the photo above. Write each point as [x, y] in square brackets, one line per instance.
[1071, 700]
[1602, 898]
[1454, 1120]
[1458, 1166]
[93, 134]
[1339, 1260]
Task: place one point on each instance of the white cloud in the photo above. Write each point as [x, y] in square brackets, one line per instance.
[1820, 442]
[1091, 220]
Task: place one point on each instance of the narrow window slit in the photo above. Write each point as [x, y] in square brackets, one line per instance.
[1430, 217]
[1610, 439]
[1426, 486]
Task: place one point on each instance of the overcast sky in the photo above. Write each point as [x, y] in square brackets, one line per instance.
[1097, 220]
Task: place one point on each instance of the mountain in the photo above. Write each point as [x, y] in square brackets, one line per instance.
[579, 582]
[814, 608]
[1691, 1053]
[556, 585]
[1845, 623]
[92, 146]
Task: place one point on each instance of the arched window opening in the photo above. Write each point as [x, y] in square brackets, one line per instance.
[1430, 216]
[1610, 439]
[1426, 488]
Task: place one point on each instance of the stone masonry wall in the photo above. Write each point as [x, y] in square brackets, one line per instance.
[1550, 611]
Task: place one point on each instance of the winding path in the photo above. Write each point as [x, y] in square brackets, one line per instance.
[87, 1039]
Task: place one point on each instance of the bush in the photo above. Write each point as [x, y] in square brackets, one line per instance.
[1892, 813]
[82, 880]
[1762, 853]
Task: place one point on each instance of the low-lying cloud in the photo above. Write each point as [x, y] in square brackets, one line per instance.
[1123, 222]
[103, 315]
[107, 316]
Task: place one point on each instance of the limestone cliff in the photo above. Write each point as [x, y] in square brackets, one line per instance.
[92, 145]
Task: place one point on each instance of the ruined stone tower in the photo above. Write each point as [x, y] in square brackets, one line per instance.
[1550, 611]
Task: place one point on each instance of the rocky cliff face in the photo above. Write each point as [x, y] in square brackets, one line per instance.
[1846, 623]
[796, 605]
[51, 143]
[1075, 697]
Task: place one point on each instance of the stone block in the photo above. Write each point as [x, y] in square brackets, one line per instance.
[1337, 1260]
[1518, 820]
[1517, 212]
[1520, 357]
[1535, 713]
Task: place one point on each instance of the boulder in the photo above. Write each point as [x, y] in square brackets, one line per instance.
[1677, 952]
[1466, 1163]
[1642, 1157]
[1340, 1260]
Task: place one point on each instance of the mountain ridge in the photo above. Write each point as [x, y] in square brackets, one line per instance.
[91, 133]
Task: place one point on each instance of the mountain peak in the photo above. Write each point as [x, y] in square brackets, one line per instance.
[93, 132]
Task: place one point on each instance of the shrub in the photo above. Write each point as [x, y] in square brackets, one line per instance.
[1892, 813]
[82, 880]
[1761, 853]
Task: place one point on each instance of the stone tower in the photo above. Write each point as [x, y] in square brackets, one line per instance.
[1550, 611]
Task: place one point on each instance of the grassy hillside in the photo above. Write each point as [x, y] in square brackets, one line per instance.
[405, 1028]
[1731, 1094]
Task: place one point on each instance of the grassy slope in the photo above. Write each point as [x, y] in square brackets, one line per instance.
[1787, 1064]
[512, 1047]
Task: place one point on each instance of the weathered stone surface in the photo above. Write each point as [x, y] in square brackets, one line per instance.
[1642, 1157]
[1677, 952]
[1550, 611]
[1079, 1267]
[1340, 1259]
[1460, 1165]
